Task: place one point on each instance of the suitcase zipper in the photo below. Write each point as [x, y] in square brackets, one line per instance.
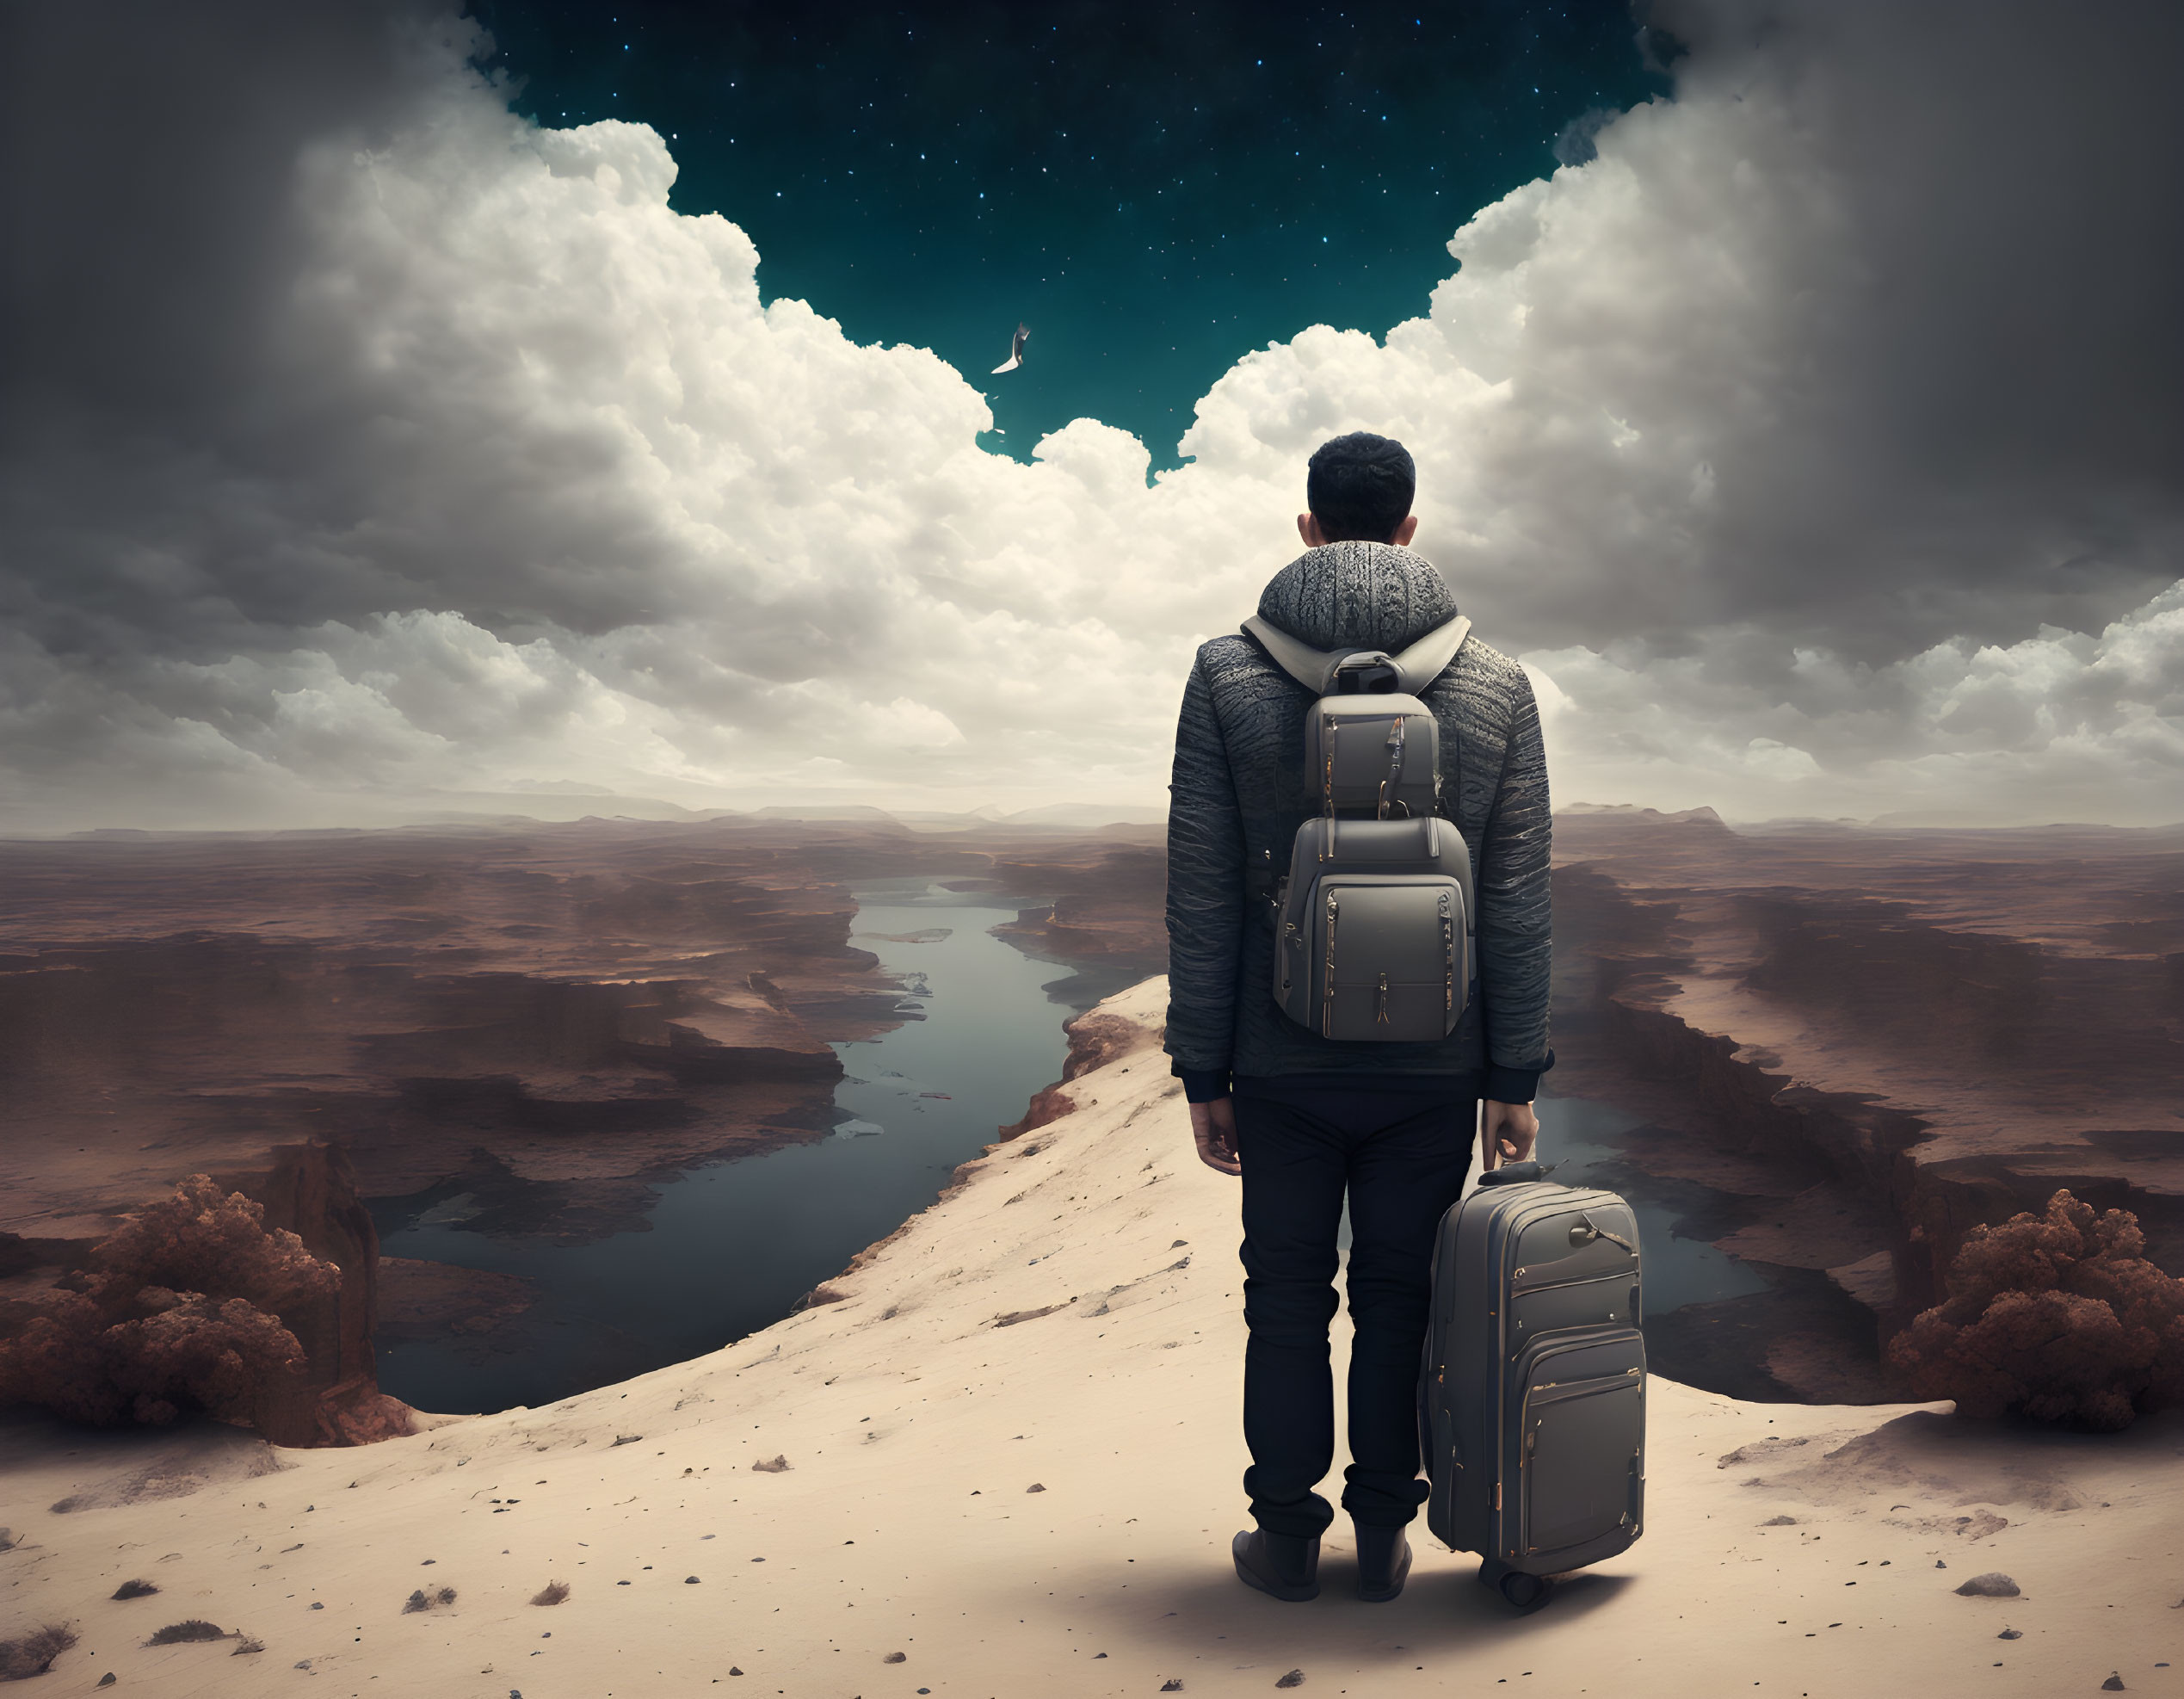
[1587, 1222]
[1565, 1286]
[1591, 1383]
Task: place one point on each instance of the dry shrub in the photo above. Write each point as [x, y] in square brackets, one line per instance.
[420, 1600]
[194, 1628]
[204, 1240]
[553, 1593]
[2058, 1316]
[135, 1590]
[33, 1653]
[184, 1313]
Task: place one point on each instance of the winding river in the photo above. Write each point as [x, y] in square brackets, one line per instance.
[729, 1247]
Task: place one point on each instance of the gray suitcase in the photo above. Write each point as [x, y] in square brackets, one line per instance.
[1532, 1389]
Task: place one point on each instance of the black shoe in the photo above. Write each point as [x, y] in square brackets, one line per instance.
[1383, 1562]
[1285, 1565]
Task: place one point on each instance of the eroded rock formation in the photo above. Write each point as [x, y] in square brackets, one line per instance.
[544, 1019]
[1870, 1042]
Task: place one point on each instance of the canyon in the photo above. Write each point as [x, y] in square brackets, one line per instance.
[1844, 1046]
[1856, 1044]
[548, 1019]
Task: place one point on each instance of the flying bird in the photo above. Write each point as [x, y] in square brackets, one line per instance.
[1016, 351]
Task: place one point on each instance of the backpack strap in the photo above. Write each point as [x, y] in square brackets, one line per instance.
[1429, 658]
[1416, 668]
[1313, 668]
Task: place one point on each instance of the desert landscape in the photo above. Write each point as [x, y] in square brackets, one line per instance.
[549, 1018]
[1839, 1048]
[1842, 1053]
[999, 1455]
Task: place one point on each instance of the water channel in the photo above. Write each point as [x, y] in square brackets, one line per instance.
[731, 1246]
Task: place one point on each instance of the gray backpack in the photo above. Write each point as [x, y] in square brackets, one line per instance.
[1374, 922]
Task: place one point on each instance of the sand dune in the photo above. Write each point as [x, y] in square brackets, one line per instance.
[1012, 1456]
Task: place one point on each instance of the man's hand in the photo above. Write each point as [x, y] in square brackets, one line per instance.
[1510, 1131]
[1213, 1125]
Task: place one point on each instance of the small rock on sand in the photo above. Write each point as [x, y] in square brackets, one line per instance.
[2113, 1684]
[1294, 1678]
[1035, 1487]
[1993, 1584]
[1174, 1684]
[771, 1466]
[896, 1658]
[2011, 1633]
[1780, 1522]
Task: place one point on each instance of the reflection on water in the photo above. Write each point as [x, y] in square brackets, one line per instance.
[731, 1246]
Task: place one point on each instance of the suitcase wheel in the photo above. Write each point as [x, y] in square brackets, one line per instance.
[1521, 1593]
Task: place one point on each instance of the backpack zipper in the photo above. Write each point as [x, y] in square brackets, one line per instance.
[1448, 955]
[1327, 975]
[1395, 763]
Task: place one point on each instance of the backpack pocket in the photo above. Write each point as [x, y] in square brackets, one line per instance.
[1373, 754]
[1372, 931]
[1389, 956]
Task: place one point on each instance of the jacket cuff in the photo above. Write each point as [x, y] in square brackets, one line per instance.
[1201, 1085]
[1513, 1086]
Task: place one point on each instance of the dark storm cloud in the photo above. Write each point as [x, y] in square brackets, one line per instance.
[151, 155]
[1987, 428]
[153, 237]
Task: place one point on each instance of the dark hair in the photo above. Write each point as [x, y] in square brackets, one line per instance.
[1360, 488]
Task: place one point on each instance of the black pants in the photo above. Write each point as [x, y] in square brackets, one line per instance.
[1402, 1159]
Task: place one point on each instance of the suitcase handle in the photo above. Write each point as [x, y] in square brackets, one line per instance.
[1516, 1173]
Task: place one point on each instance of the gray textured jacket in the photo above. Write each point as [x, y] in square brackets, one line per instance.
[1240, 793]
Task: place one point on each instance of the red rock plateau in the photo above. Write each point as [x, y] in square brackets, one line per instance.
[1861, 1042]
[553, 1017]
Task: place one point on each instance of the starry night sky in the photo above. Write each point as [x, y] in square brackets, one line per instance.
[1155, 191]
